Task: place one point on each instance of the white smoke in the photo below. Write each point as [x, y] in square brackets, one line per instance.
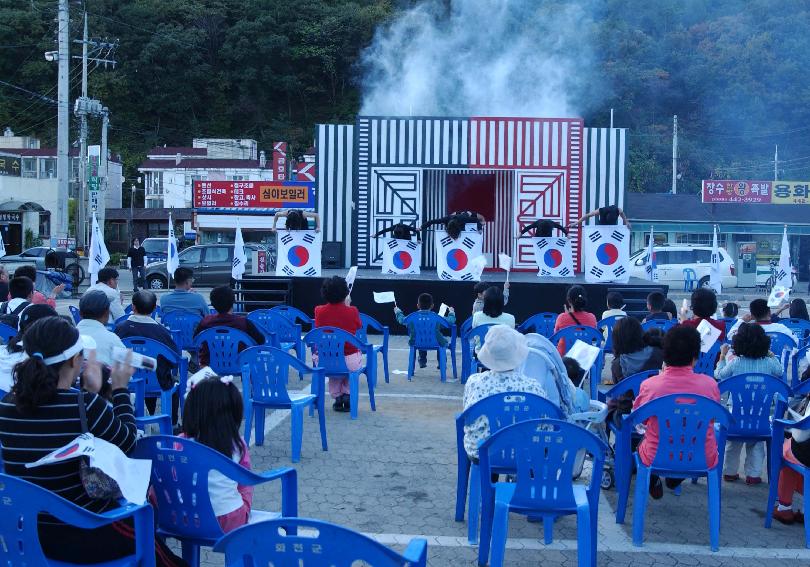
[481, 58]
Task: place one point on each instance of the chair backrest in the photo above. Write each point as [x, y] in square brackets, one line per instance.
[75, 313]
[545, 451]
[7, 332]
[630, 383]
[224, 345]
[684, 421]
[155, 313]
[182, 325]
[780, 342]
[588, 335]
[266, 369]
[269, 321]
[689, 274]
[153, 348]
[607, 324]
[800, 328]
[754, 398]
[540, 323]
[294, 314]
[424, 325]
[329, 343]
[729, 322]
[369, 322]
[664, 325]
[465, 327]
[796, 380]
[707, 360]
[120, 320]
[301, 541]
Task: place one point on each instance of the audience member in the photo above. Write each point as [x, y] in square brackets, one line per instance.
[582, 401]
[94, 308]
[795, 450]
[760, 314]
[504, 352]
[671, 309]
[182, 298]
[13, 352]
[615, 304]
[222, 300]
[108, 283]
[338, 312]
[576, 300]
[655, 307]
[631, 354]
[425, 303]
[704, 307]
[751, 354]
[3, 282]
[797, 309]
[20, 291]
[492, 312]
[212, 415]
[30, 272]
[480, 288]
[731, 310]
[681, 352]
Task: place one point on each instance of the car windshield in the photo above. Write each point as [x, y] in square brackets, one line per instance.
[153, 246]
[34, 252]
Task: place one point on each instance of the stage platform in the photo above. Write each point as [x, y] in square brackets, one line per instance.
[529, 294]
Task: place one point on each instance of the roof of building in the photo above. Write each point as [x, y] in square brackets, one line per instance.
[665, 207]
[147, 214]
[201, 164]
[46, 152]
[174, 150]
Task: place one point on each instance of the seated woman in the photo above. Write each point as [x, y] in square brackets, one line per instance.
[704, 307]
[14, 353]
[576, 300]
[631, 353]
[492, 312]
[796, 450]
[454, 224]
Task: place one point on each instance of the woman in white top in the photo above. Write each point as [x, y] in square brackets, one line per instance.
[492, 313]
[13, 352]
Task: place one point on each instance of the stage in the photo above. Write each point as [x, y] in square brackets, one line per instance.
[529, 294]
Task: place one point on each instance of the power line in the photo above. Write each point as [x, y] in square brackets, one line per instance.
[31, 93]
[151, 32]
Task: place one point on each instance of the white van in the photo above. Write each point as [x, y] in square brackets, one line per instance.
[673, 260]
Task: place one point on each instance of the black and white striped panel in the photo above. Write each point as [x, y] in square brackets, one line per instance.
[432, 142]
[335, 155]
[603, 168]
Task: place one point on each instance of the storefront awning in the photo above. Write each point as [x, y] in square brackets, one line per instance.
[254, 222]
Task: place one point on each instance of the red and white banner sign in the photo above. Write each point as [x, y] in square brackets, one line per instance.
[305, 171]
[280, 161]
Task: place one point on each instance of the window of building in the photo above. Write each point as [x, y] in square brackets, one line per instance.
[157, 229]
[29, 167]
[116, 231]
[47, 168]
[44, 225]
[74, 168]
[152, 203]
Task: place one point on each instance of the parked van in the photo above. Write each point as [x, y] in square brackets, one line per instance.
[673, 260]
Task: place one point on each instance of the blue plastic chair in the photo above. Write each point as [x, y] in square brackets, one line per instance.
[276, 542]
[683, 423]
[689, 279]
[7, 332]
[588, 335]
[180, 470]
[224, 345]
[182, 325]
[777, 461]
[500, 410]
[544, 451]
[164, 421]
[466, 326]
[24, 501]
[120, 320]
[423, 326]
[782, 346]
[729, 322]
[540, 323]
[664, 325]
[279, 331]
[607, 325]
[800, 328]
[295, 315]
[328, 344]
[472, 338]
[74, 312]
[155, 314]
[152, 389]
[264, 386]
[756, 400]
[708, 360]
[370, 322]
[800, 355]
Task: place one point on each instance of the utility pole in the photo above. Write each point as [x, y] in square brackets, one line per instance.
[63, 130]
[776, 163]
[674, 154]
[81, 209]
[611, 119]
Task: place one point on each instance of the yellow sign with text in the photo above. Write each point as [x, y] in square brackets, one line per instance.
[791, 193]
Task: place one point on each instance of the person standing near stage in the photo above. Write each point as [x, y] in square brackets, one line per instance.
[604, 216]
[543, 228]
[137, 261]
[454, 224]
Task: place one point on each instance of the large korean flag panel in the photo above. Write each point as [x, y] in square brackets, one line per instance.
[401, 256]
[454, 258]
[299, 253]
[554, 257]
[606, 250]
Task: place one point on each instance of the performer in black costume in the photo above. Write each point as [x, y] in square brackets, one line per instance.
[543, 228]
[400, 231]
[454, 224]
[608, 215]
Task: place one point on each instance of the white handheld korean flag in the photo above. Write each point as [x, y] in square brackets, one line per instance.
[239, 257]
[715, 281]
[98, 251]
[172, 256]
[784, 277]
[606, 249]
[455, 258]
[401, 256]
[298, 253]
[553, 256]
[652, 264]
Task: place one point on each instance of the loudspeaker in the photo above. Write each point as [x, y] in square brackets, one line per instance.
[332, 255]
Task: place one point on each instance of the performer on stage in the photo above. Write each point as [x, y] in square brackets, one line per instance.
[295, 219]
[604, 216]
[401, 231]
[456, 222]
[543, 228]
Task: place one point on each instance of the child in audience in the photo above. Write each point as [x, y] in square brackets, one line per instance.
[670, 309]
[615, 303]
[480, 288]
[425, 303]
[212, 416]
[576, 300]
[731, 310]
[655, 306]
[582, 401]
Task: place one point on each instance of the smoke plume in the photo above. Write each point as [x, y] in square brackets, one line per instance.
[481, 57]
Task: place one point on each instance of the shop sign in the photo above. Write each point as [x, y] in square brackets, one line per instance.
[255, 196]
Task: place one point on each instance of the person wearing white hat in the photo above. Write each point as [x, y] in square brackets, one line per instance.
[504, 352]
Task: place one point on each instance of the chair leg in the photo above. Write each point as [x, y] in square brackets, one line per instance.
[774, 467]
[301, 354]
[500, 532]
[713, 482]
[411, 357]
[259, 418]
[191, 554]
[297, 433]
[806, 523]
[442, 355]
[585, 534]
[640, 504]
[371, 378]
[354, 394]
[385, 364]
[248, 423]
[321, 424]
[473, 504]
[453, 362]
[548, 529]
[462, 484]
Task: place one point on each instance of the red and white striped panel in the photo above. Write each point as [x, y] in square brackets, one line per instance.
[520, 143]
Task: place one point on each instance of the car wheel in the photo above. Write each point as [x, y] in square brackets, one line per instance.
[76, 272]
[156, 282]
[704, 282]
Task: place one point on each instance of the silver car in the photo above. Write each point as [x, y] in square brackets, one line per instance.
[211, 264]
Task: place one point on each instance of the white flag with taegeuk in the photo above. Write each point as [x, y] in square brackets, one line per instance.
[401, 256]
[553, 256]
[605, 253]
[458, 259]
[298, 253]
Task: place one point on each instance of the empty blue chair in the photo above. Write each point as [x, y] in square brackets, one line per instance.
[24, 501]
[370, 322]
[74, 312]
[7, 332]
[755, 399]
[684, 421]
[500, 410]
[264, 386]
[782, 346]
[423, 325]
[588, 335]
[164, 421]
[800, 328]
[224, 345]
[276, 542]
[607, 325]
[152, 389]
[800, 355]
[328, 344]
[180, 469]
[689, 279]
[777, 461]
[544, 451]
[473, 338]
[540, 323]
[295, 315]
[664, 325]
[182, 324]
[708, 360]
[466, 326]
